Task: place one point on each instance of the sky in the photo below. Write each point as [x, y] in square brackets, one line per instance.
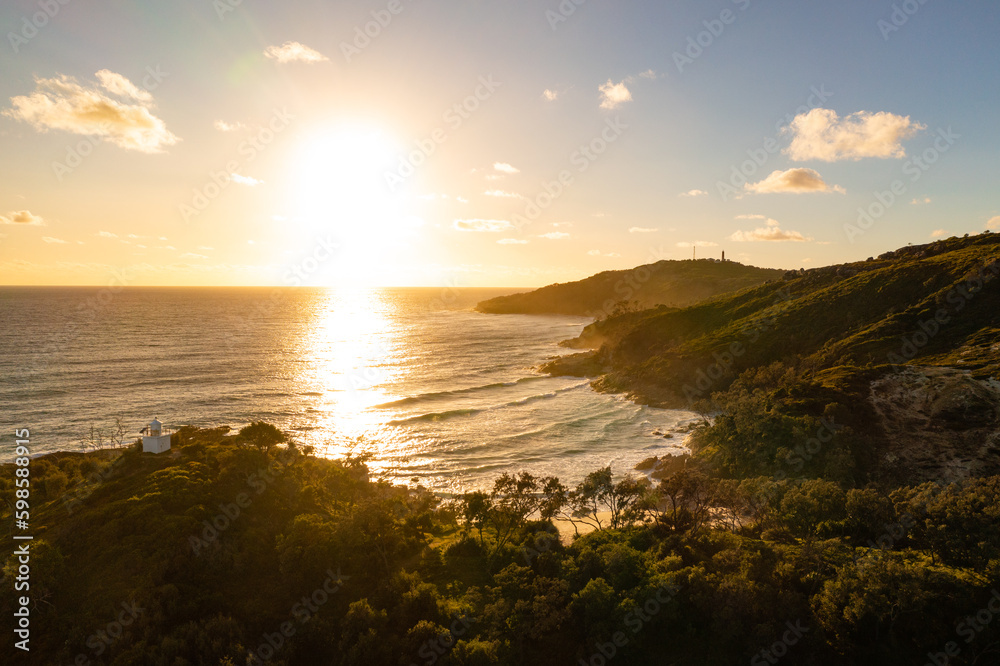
[485, 142]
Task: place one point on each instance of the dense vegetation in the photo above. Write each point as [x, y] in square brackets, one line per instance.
[230, 550]
[801, 530]
[672, 284]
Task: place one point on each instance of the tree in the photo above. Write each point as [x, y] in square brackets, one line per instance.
[261, 436]
[689, 496]
[814, 507]
[509, 505]
[626, 502]
[513, 500]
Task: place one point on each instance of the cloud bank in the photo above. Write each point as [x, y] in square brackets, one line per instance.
[61, 103]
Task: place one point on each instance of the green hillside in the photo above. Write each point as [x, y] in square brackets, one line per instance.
[671, 283]
[861, 313]
[855, 336]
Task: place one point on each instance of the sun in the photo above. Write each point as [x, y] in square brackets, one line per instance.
[341, 174]
[340, 189]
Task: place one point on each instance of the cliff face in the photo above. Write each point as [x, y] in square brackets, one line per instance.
[672, 284]
[938, 423]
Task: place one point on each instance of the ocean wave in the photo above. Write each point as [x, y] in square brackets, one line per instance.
[434, 416]
[439, 395]
[440, 416]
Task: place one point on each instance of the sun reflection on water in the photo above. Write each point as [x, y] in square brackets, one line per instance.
[352, 348]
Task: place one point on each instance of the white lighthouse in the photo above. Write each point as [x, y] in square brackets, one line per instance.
[155, 438]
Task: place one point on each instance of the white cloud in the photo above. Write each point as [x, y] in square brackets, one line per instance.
[118, 85]
[796, 181]
[63, 104]
[223, 126]
[192, 255]
[491, 226]
[920, 202]
[698, 244]
[771, 232]
[502, 194]
[25, 217]
[50, 239]
[693, 193]
[822, 135]
[106, 234]
[938, 233]
[554, 235]
[249, 181]
[994, 223]
[642, 230]
[598, 253]
[751, 217]
[294, 52]
[461, 200]
[550, 95]
[614, 95]
[503, 167]
[562, 224]
[512, 241]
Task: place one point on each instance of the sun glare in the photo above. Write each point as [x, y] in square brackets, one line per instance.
[341, 190]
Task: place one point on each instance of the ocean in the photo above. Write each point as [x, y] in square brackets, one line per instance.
[438, 394]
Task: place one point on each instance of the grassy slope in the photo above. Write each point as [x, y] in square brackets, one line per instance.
[858, 314]
[670, 283]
